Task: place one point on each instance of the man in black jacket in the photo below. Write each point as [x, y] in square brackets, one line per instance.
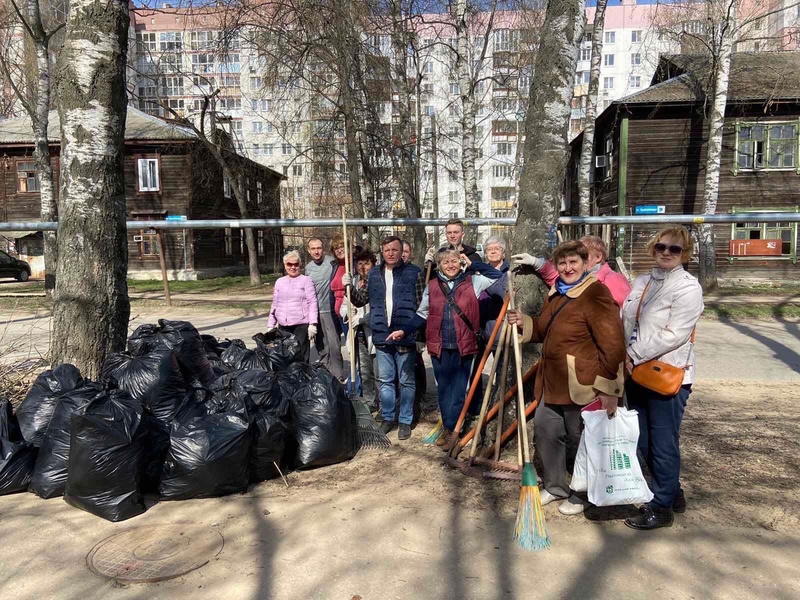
[454, 231]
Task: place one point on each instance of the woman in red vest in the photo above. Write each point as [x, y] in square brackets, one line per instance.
[450, 308]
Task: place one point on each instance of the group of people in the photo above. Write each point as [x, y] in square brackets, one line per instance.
[595, 330]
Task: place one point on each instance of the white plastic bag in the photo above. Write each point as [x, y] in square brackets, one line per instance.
[580, 475]
[614, 474]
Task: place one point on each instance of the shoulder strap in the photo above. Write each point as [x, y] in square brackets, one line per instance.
[455, 307]
[555, 314]
[639, 312]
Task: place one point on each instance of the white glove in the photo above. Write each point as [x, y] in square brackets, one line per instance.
[420, 347]
[430, 255]
[537, 262]
[312, 332]
[270, 329]
[346, 279]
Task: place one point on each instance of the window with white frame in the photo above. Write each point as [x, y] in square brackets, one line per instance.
[608, 60]
[767, 146]
[505, 149]
[635, 81]
[258, 127]
[586, 53]
[609, 154]
[297, 170]
[27, 177]
[148, 175]
[286, 149]
[170, 41]
[452, 197]
[502, 171]
[636, 36]
[610, 37]
[608, 83]
[227, 188]
[203, 63]
[146, 42]
[636, 59]
[268, 149]
[786, 233]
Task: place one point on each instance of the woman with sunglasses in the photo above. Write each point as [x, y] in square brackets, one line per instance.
[660, 316]
[294, 304]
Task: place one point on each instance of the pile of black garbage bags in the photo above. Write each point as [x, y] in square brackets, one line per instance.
[179, 415]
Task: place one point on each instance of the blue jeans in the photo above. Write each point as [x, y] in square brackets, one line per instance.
[660, 438]
[395, 364]
[453, 378]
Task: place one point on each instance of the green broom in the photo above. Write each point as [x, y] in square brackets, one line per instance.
[435, 433]
[530, 529]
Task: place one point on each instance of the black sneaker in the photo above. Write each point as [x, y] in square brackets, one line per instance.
[404, 431]
[387, 426]
[650, 517]
[679, 504]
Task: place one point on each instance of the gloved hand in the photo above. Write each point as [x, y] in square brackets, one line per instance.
[270, 329]
[525, 259]
[429, 257]
[312, 332]
[347, 279]
[420, 347]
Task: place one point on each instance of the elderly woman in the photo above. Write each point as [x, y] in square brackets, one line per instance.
[583, 351]
[294, 304]
[451, 333]
[660, 316]
[491, 300]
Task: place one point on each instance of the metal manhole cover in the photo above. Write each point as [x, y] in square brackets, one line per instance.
[154, 553]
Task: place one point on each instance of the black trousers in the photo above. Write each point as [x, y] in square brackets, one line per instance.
[301, 331]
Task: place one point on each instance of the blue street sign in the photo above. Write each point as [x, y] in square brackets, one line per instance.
[176, 217]
[650, 209]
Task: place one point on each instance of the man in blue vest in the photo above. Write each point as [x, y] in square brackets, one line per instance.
[394, 291]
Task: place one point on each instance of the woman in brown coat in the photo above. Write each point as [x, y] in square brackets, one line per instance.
[582, 355]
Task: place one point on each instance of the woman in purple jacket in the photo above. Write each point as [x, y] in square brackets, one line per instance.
[294, 304]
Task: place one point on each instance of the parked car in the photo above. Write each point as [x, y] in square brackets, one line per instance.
[12, 267]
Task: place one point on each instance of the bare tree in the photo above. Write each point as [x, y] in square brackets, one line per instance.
[34, 94]
[587, 146]
[546, 143]
[91, 308]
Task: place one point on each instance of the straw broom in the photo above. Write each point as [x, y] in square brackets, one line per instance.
[437, 431]
[530, 529]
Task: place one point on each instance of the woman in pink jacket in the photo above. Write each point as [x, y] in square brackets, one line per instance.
[597, 265]
[294, 304]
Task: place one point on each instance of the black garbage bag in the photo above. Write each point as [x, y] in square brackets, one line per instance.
[156, 446]
[280, 348]
[50, 473]
[270, 421]
[9, 427]
[16, 465]
[210, 345]
[240, 358]
[180, 336]
[208, 453]
[155, 379]
[35, 411]
[324, 418]
[105, 457]
[219, 366]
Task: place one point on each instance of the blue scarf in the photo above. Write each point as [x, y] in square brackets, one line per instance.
[562, 288]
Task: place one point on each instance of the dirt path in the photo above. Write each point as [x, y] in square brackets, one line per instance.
[400, 524]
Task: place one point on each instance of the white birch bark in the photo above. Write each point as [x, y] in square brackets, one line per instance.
[91, 307]
[468, 110]
[587, 147]
[721, 61]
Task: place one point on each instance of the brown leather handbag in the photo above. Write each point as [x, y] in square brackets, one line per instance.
[655, 375]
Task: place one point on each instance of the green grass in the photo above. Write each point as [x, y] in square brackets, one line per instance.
[219, 285]
[789, 289]
[738, 312]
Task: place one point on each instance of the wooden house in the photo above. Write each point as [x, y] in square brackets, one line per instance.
[650, 154]
[168, 175]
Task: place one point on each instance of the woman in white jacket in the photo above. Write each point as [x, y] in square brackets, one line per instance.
[671, 303]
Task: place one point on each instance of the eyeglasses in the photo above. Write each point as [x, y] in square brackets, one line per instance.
[659, 247]
[293, 265]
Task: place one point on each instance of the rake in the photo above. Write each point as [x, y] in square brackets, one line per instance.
[368, 432]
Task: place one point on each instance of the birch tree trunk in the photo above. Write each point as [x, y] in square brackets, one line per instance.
[716, 121]
[546, 143]
[587, 147]
[91, 306]
[402, 151]
[466, 92]
[249, 235]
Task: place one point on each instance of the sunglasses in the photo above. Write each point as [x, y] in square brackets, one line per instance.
[672, 249]
[293, 265]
